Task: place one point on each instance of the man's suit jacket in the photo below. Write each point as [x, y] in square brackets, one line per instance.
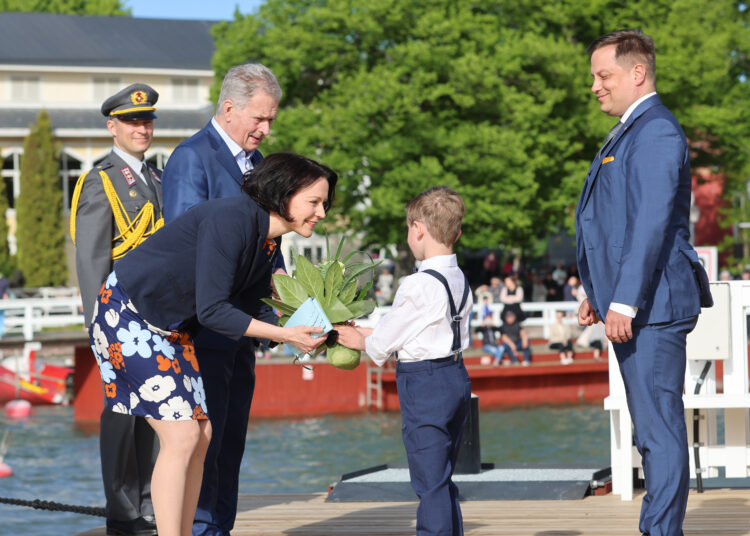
[95, 225]
[632, 221]
[199, 169]
[202, 168]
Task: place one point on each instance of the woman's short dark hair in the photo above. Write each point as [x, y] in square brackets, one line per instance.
[279, 176]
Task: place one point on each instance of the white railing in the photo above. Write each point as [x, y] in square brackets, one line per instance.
[547, 318]
[31, 315]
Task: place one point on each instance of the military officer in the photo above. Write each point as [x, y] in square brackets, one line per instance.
[116, 206]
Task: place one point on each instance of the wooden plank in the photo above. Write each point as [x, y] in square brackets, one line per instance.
[715, 513]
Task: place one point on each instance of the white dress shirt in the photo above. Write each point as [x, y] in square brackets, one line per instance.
[240, 156]
[623, 308]
[134, 164]
[418, 325]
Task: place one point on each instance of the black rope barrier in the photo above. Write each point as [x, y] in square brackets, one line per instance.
[55, 506]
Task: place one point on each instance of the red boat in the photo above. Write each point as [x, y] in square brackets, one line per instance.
[20, 379]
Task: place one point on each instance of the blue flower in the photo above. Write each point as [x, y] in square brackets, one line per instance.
[161, 345]
[111, 280]
[134, 339]
[96, 355]
[199, 395]
[107, 371]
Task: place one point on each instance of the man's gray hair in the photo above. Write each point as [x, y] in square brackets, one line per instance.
[242, 81]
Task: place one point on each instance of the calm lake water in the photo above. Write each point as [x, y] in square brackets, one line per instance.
[54, 460]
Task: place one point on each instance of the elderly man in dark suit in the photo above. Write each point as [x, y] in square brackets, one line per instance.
[640, 273]
[210, 165]
[108, 203]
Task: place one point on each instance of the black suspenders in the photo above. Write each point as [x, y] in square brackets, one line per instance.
[455, 316]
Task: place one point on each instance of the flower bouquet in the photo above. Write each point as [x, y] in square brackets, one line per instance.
[334, 284]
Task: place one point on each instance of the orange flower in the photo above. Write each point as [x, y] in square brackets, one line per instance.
[188, 352]
[269, 246]
[176, 366]
[198, 413]
[173, 336]
[110, 390]
[105, 295]
[164, 363]
[115, 350]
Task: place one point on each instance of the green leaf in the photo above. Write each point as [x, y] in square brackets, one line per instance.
[283, 308]
[341, 245]
[348, 292]
[361, 308]
[333, 281]
[337, 312]
[363, 293]
[309, 276]
[283, 320]
[290, 290]
[358, 268]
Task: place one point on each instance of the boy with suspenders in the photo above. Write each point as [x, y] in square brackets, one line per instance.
[426, 329]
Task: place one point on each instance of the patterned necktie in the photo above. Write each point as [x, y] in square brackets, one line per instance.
[612, 133]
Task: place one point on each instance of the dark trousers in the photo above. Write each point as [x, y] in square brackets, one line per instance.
[128, 447]
[229, 380]
[434, 398]
[652, 364]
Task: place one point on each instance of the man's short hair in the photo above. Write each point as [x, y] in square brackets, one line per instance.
[279, 176]
[441, 210]
[242, 81]
[631, 45]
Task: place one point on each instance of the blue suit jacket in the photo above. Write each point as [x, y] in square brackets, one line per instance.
[632, 221]
[202, 168]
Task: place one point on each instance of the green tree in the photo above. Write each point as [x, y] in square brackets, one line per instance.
[491, 98]
[40, 233]
[67, 7]
[7, 261]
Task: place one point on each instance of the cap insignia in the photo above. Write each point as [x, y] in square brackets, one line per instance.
[138, 97]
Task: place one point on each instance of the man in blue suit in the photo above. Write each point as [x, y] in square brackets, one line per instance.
[210, 165]
[641, 275]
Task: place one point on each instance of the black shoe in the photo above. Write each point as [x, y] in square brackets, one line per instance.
[135, 527]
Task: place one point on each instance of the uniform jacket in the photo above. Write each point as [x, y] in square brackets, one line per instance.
[632, 221]
[197, 264]
[95, 225]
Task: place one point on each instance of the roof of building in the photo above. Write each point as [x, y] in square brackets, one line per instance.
[72, 40]
[93, 119]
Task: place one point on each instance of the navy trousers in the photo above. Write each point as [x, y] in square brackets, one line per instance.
[128, 447]
[434, 397]
[652, 364]
[229, 380]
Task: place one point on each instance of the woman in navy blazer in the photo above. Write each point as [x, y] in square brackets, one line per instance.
[191, 273]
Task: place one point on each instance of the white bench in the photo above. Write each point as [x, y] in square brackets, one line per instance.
[721, 334]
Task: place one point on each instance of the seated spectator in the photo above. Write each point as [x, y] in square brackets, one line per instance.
[384, 287]
[515, 339]
[559, 274]
[570, 289]
[594, 337]
[489, 333]
[511, 297]
[538, 290]
[496, 288]
[561, 338]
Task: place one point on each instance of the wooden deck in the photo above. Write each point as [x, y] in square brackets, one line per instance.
[713, 513]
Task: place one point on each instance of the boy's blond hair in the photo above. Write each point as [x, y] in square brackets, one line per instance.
[441, 210]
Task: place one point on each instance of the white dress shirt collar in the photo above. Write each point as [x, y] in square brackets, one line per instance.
[634, 106]
[439, 261]
[240, 156]
[134, 164]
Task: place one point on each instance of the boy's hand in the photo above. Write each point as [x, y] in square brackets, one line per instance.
[350, 337]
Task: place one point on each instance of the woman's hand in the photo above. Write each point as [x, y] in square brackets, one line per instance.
[301, 337]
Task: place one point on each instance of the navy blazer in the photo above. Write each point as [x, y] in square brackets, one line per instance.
[196, 266]
[199, 169]
[632, 221]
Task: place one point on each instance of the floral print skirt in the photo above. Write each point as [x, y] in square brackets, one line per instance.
[146, 371]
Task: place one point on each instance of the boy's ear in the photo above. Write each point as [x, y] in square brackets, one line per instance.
[458, 236]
